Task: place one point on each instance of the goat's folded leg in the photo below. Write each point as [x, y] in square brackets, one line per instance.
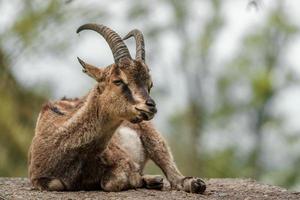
[121, 178]
[158, 151]
[155, 182]
[121, 173]
[50, 184]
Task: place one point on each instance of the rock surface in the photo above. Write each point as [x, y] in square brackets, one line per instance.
[19, 188]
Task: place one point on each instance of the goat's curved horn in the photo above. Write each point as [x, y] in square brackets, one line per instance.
[140, 44]
[115, 42]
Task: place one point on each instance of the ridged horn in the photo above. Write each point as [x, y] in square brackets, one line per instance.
[140, 44]
[115, 42]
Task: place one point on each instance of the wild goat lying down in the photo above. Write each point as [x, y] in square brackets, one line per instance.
[104, 139]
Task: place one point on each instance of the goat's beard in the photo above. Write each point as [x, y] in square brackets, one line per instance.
[141, 117]
[136, 120]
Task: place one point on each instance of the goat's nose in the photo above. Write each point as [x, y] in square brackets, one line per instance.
[150, 102]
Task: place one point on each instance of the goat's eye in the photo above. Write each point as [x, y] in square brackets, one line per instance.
[118, 82]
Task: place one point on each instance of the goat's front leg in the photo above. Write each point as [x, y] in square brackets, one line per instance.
[158, 151]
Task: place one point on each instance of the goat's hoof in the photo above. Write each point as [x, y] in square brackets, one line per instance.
[193, 185]
[198, 186]
[154, 182]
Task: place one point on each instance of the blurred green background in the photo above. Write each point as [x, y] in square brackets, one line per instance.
[226, 78]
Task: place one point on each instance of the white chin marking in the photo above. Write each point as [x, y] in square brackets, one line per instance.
[131, 142]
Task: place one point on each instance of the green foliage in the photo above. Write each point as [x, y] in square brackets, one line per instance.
[18, 111]
[253, 69]
[19, 105]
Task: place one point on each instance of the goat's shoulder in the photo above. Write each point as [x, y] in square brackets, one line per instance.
[57, 112]
[63, 107]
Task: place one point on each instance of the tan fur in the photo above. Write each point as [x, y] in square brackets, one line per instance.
[90, 142]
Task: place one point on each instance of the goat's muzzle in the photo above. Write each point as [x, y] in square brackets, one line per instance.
[146, 113]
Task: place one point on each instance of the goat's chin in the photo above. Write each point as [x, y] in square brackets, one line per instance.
[136, 120]
[142, 117]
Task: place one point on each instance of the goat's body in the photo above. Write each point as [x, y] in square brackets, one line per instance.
[88, 143]
[113, 163]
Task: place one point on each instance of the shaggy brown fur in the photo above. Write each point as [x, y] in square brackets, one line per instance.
[104, 139]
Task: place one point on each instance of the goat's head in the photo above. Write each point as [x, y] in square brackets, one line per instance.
[127, 82]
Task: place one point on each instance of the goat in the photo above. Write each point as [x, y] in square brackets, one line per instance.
[104, 139]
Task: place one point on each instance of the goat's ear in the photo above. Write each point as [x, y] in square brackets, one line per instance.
[92, 71]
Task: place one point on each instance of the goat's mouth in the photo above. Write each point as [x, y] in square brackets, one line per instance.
[144, 115]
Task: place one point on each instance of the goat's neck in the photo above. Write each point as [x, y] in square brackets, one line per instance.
[92, 125]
